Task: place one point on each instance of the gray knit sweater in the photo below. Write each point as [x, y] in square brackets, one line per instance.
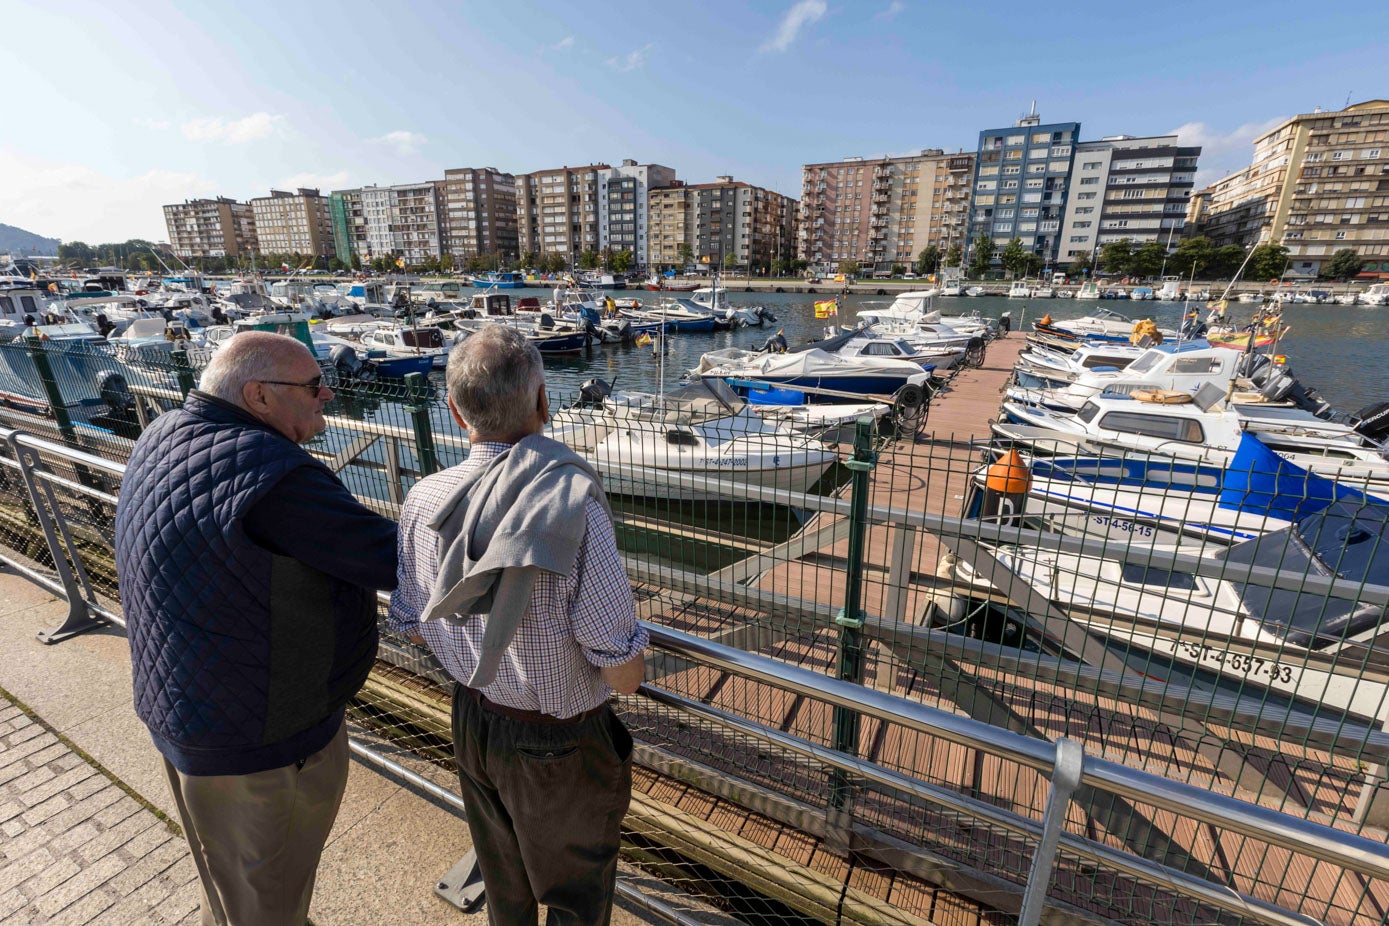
[522, 512]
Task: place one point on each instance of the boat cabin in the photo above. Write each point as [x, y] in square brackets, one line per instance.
[491, 304]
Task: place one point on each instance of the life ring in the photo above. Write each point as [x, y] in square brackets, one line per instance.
[1161, 396]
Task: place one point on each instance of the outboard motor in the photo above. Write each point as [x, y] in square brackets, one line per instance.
[547, 322]
[114, 392]
[346, 362]
[776, 344]
[1373, 421]
[593, 392]
[766, 314]
[909, 406]
[975, 351]
[1005, 323]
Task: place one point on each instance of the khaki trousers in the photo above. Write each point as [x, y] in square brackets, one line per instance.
[256, 839]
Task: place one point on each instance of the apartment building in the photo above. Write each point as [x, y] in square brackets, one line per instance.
[349, 225]
[883, 211]
[1318, 183]
[294, 223]
[557, 211]
[479, 213]
[403, 219]
[624, 204]
[1021, 181]
[727, 223]
[219, 227]
[1125, 187]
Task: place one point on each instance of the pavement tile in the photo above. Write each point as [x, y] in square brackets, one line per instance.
[41, 812]
[81, 883]
[142, 869]
[75, 837]
[20, 870]
[11, 755]
[29, 782]
[11, 902]
[61, 783]
[24, 732]
[49, 877]
[12, 828]
[123, 806]
[82, 912]
[110, 839]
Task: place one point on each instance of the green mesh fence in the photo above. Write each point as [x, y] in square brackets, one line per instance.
[891, 565]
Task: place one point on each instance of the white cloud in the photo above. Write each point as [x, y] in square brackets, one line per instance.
[233, 131]
[322, 182]
[893, 8]
[796, 18]
[566, 42]
[1222, 153]
[93, 206]
[405, 143]
[630, 61]
[156, 125]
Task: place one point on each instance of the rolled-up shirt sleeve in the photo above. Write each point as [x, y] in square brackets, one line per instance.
[603, 611]
[410, 595]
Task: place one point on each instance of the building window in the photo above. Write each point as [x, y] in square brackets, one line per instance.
[1089, 181]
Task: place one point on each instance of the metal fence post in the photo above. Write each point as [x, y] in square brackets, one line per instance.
[51, 391]
[1065, 778]
[850, 619]
[77, 586]
[183, 371]
[420, 394]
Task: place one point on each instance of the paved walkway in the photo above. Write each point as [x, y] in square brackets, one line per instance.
[85, 831]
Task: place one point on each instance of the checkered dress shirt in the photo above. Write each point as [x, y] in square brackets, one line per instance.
[574, 626]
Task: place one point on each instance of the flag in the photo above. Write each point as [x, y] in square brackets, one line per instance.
[52, 287]
[826, 309]
[284, 267]
[642, 340]
[400, 262]
[1218, 305]
[33, 275]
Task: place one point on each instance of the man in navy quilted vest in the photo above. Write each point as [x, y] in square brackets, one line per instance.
[247, 573]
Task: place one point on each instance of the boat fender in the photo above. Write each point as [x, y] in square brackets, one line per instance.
[1006, 484]
[1046, 319]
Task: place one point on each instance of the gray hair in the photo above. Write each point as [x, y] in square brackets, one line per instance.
[245, 358]
[494, 377]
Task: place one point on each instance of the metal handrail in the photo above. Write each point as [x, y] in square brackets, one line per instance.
[1304, 837]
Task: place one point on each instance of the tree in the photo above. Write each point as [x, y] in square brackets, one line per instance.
[1267, 262]
[1033, 264]
[1014, 258]
[446, 263]
[954, 256]
[686, 253]
[1192, 258]
[1080, 264]
[1226, 261]
[898, 269]
[981, 262]
[730, 260]
[1115, 256]
[622, 261]
[1344, 264]
[928, 261]
[1147, 260]
[849, 268]
[588, 260]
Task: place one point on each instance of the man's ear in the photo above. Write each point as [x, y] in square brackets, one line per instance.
[457, 418]
[542, 405]
[253, 397]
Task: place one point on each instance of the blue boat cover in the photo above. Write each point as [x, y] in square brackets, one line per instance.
[1260, 481]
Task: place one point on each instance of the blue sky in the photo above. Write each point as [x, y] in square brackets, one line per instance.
[117, 108]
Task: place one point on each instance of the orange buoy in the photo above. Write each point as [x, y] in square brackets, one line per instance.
[1006, 484]
[1046, 319]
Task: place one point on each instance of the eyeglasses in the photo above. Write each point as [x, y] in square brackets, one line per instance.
[314, 385]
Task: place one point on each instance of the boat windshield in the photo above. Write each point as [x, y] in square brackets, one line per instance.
[1347, 540]
[1087, 412]
[1146, 362]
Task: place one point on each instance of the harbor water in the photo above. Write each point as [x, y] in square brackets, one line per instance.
[1338, 349]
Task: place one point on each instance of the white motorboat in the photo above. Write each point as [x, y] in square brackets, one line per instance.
[867, 342]
[1088, 290]
[1377, 294]
[976, 291]
[1203, 436]
[815, 372]
[1179, 366]
[702, 432]
[1046, 367]
[1171, 289]
[1103, 323]
[1043, 292]
[1313, 647]
[398, 341]
[1021, 289]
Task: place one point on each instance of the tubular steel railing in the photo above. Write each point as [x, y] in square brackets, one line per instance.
[863, 706]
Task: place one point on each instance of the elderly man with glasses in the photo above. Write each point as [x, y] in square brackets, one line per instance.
[247, 575]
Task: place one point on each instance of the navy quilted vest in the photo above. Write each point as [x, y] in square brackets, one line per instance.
[243, 660]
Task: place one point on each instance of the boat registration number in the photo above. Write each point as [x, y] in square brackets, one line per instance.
[1242, 663]
[1122, 525]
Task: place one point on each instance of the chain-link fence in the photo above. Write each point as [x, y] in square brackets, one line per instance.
[1042, 604]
